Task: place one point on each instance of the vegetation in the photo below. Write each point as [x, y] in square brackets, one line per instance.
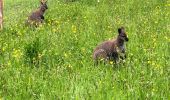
[54, 61]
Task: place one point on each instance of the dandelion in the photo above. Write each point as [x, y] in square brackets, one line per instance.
[168, 39]
[101, 59]
[156, 22]
[1, 98]
[16, 53]
[158, 66]
[144, 49]
[54, 30]
[48, 24]
[57, 22]
[149, 62]
[3, 49]
[111, 62]
[74, 29]
[167, 5]
[69, 66]
[65, 55]
[135, 60]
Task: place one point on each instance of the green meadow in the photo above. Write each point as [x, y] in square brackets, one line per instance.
[54, 61]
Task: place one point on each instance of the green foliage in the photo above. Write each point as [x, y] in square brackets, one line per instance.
[33, 51]
[62, 47]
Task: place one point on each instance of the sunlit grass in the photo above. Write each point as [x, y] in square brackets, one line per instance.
[54, 61]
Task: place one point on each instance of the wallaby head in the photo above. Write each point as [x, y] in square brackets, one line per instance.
[43, 5]
[122, 34]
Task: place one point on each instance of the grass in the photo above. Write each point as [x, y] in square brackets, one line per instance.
[54, 61]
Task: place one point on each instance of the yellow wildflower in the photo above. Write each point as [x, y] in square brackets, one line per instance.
[74, 29]
[16, 53]
[111, 62]
[65, 55]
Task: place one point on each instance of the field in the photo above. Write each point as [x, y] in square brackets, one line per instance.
[54, 61]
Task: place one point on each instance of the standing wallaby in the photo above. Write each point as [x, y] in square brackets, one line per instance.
[110, 50]
[37, 16]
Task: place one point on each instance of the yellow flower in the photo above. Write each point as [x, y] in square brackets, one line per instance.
[144, 49]
[167, 5]
[54, 30]
[111, 62]
[57, 22]
[74, 29]
[65, 55]
[1, 98]
[101, 59]
[3, 48]
[69, 66]
[166, 37]
[16, 53]
[149, 61]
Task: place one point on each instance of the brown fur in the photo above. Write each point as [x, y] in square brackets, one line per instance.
[37, 16]
[111, 49]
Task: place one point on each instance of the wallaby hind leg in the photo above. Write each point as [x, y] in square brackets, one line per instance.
[100, 56]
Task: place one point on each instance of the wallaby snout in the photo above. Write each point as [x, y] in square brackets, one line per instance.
[127, 39]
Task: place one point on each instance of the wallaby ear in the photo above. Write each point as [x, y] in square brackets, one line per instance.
[119, 30]
[41, 2]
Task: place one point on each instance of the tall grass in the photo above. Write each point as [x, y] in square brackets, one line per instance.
[54, 61]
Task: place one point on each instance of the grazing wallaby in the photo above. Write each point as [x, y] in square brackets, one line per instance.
[37, 16]
[111, 50]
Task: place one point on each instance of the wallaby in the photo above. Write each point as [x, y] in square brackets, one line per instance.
[37, 16]
[111, 50]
